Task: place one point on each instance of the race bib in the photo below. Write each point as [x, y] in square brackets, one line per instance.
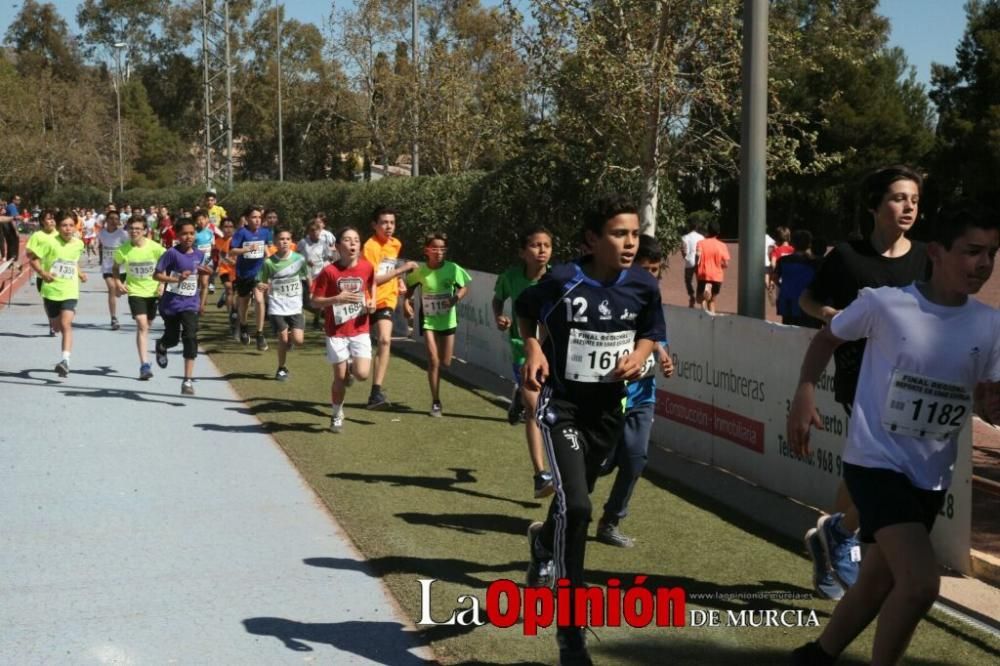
[386, 266]
[63, 270]
[592, 355]
[924, 407]
[142, 270]
[186, 287]
[205, 248]
[435, 304]
[287, 287]
[345, 312]
[255, 249]
[108, 256]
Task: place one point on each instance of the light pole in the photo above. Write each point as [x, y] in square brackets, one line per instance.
[118, 101]
[415, 158]
[281, 131]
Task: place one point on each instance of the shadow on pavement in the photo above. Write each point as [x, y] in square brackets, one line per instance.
[470, 523]
[432, 482]
[120, 394]
[365, 639]
[452, 570]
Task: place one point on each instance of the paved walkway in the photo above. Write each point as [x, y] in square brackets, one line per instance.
[137, 530]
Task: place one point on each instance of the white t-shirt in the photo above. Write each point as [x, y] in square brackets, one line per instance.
[110, 240]
[318, 252]
[768, 246]
[920, 358]
[690, 245]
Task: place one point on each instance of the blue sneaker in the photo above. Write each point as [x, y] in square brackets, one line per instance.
[539, 560]
[842, 552]
[145, 372]
[823, 583]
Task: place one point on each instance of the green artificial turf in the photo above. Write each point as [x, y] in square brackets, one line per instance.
[450, 499]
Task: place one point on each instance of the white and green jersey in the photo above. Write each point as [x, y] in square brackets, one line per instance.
[284, 278]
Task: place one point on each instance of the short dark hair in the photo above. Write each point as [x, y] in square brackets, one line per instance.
[184, 222]
[649, 249]
[344, 229]
[713, 229]
[605, 209]
[436, 235]
[199, 213]
[802, 240]
[875, 184]
[283, 230]
[527, 233]
[383, 210]
[955, 218]
[250, 209]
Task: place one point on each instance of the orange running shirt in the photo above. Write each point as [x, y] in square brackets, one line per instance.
[712, 254]
[221, 247]
[383, 257]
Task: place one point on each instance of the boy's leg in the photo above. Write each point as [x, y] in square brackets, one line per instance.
[283, 342]
[109, 282]
[260, 310]
[171, 333]
[141, 335]
[632, 455]
[383, 341]
[189, 338]
[542, 479]
[446, 347]
[433, 364]
[66, 329]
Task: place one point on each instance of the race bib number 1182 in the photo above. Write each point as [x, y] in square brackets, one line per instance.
[919, 406]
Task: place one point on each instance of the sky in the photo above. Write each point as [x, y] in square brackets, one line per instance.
[927, 30]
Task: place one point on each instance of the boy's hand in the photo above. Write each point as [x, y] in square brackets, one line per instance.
[535, 371]
[503, 322]
[666, 363]
[986, 402]
[185, 275]
[350, 297]
[408, 310]
[801, 415]
[83, 277]
[48, 277]
[628, 368]
[409, 266]
[262, 287]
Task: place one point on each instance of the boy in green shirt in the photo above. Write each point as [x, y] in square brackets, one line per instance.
[280, 278]
[442, 285]
[536, 249]
[57, 262]
[137, 259]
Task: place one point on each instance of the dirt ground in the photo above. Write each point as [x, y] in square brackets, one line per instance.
[986, 440]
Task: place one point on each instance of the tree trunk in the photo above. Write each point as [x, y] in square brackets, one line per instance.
[651, 144]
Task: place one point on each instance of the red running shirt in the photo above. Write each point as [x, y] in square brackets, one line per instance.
[333, 280]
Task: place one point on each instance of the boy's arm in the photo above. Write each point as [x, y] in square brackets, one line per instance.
[802, 413]
[535, 370]
[503, 321]
[460, 293]
[396, 273]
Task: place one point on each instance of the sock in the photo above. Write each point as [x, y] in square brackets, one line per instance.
[338, 410]
[65, 356]
[376, 388]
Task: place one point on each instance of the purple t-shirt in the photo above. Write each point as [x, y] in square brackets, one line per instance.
[184, 296]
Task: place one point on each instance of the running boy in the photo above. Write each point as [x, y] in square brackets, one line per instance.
[602, 319]
[382, 251]
[111, 237]
[536, 249]
[249, 246]
[928, 346]
[225, 267]
[57, 261]
[443, 284]
[137, 258]
[46, 231]
[631, 453]
[204, 240]
[180, 269]
[317, 246]
[712, 261]
[281, 278]
[346, 289]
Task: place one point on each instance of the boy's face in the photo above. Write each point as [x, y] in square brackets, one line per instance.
[652, 266]
[201, 221]
[284, 242]
[899, 207]
[49, 223]
[271, 220]
[538, 250]
[185, 237]
[253, 220]
[967, 266]
[227, 229]
[209, 201]
[349, 245]
[136, 231]
[616, 246]
[385, 226]
[435, 251]
[314, 231]
[66, 228]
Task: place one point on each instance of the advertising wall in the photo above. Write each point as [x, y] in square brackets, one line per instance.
[726, 406]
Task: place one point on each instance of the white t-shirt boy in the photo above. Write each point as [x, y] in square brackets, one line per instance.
[690, 241]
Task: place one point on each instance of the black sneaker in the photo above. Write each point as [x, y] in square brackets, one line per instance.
[610, 534]
[436, 409]
[811, 654]
[62, 368]
[161, 355]
[114, 324]
[261, 342]
[543, 485]
[515, 413]
[377, 400]
[572, 643]
[539, 560]
[222, 300]
[282, 374]
[244, 335]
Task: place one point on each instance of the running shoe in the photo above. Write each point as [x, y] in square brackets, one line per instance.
[317, 325]
[811, 654]
[543, 485]
[222, 301]
[515, 413]
[244, 335]
[282, 374]
[436, 409]
[337, 423]
[840, 550]
[610, 534]
[539, 560]
[823, 583]
[261, 342]
[114, 324]
[146, 371]
[187, 387]
[211, 288]
[161, 355]
[572, 643]
[377, 400]
[52, 332]
[62, 368]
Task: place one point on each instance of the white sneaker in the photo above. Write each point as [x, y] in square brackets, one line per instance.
[337, 423]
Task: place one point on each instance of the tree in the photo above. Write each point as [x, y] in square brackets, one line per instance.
[967, 154]
[42, 42]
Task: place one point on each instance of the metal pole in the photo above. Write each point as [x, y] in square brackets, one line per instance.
[118, 104]
[281, 132]
[229, 100]
[753, 160]
[208, 94]
[415, 158]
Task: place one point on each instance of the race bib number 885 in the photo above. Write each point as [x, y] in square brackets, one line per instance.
[919, 406]
[592, 355]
